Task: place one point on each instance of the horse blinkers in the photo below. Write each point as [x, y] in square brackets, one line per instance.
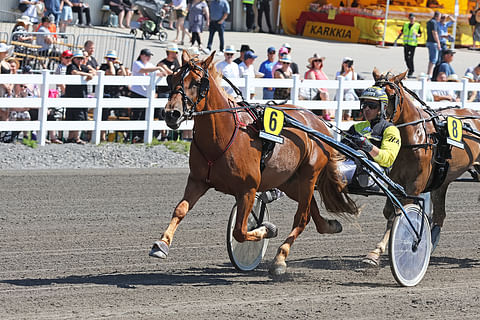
[204, 87]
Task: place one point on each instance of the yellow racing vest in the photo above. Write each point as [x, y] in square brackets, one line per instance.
[409, 37]
[248, 1]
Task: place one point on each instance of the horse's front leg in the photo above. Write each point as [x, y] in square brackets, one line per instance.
[304, 194]
[244, 207]
[373, 257]
[193, 191]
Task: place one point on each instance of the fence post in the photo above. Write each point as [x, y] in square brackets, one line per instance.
[42, 114]
[246, 89]
[97, 115]
[148, 136]
[464, 95]
[294, 92]
[423, 91]
[338, 112]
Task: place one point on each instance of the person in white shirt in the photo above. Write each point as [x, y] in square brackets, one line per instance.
[142, 67]
[246, 68]
[229, 68]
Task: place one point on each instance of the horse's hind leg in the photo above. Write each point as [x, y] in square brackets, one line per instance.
[439, 214]
[373, 257]
[323, 225]
[193, 191]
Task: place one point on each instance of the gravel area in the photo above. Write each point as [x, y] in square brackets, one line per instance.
[72, 156]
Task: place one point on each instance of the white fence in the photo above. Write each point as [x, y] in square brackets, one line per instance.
[47, 81]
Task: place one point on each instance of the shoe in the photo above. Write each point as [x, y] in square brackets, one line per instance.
[271, 195]
[180, 43]
[207, 50]
[327, 117]
[137, 139]
[90, 25]
[219, 53]
[56, 141]
[169, 28]
[271, 32]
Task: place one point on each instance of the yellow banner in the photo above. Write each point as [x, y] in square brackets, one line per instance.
[331, 31]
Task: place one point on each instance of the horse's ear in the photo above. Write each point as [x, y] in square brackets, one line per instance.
[206, 62]
[376, 74]
[400, 77]
[185, 57]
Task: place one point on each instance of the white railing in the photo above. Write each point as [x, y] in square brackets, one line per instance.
[47, 80]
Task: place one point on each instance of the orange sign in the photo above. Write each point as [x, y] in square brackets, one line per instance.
[331, 31]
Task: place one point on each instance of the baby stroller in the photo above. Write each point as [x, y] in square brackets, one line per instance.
[154, 13]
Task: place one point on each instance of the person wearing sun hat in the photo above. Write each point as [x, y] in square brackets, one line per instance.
[315, 72]
[169, 63]
[5, 88]
[281, 52]
[266, 69]
[77, 67]
[293, 65]
[283, 73]
[227, 67]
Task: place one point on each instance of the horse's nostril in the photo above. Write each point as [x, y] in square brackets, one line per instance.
[176, 114]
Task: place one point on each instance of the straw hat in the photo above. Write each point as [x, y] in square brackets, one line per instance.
[469, 76]
[230, 49]
[112, 54]
[24, 19]
[453, 78]
[315, 57]
[286, 58]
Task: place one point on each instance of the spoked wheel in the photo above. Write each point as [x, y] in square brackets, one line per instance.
[162, 36]
[146, 35]
[408, 260]
[247, 256]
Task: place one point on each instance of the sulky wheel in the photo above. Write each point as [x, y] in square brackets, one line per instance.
[408, 260]
[247, 256]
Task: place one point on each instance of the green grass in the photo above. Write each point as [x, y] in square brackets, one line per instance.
[29, 143]
[178, 146]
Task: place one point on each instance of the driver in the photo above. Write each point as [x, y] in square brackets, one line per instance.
[376, 136]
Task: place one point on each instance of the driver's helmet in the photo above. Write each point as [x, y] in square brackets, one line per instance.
[376, 94]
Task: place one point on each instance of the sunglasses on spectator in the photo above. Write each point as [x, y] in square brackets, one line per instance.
[67, 57]
[371, 105]
[285, 62]
[317, 60]
[229, 54]
[272, 52]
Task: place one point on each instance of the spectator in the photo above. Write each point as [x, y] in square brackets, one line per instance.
[315, 72]
[52, 7]
[472, 95]
[29, 8]
[250, 16]
[172, 17]
[142, 67]
[278, 65]
[244, 48]
[123, 9]
[433, 42]
[443, 30]
[266, 69]
[89, 47]
[411, 31]
[77, 67]
[66, 16]
[82, 8]
[219, 11]
[283, 73]
[348, 72]
[228, 68]
[197, 13]
[445, 66]
[473, 21]
[475, 71]
[293, 65]
[264, 7]
[5, 88]
[246, 68]
[46, 40]
[180, 7]
[28, 91]
[52, 27]
[443, 95]
[21, 29]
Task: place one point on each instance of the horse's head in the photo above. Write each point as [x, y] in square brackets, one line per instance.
[188, 86]
[393, 87]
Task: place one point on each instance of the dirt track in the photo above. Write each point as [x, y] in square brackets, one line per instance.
[74, 244]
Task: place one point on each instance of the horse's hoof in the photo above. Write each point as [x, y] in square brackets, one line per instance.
[159, 250]
[435, 236]
[372, 259]
[335, 226]
[272, 230]
[278, 268]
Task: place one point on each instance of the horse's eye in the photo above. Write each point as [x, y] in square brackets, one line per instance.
[194, 84]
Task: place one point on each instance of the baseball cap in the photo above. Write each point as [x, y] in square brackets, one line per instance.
[411, 15]
[271, 49]
[283, 50]
[67, 53]
[449, 51]
[146, 52]
[249, 55]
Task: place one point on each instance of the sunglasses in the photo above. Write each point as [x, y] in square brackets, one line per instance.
[370, 105]
[272, 52]
[285, 62]
[229, 54]
[318, 60]
[67, 57]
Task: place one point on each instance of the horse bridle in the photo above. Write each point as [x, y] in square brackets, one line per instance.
[202, 91]
[382, 82]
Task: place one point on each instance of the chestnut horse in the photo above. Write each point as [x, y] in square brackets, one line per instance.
[225, 154]
[414, 166]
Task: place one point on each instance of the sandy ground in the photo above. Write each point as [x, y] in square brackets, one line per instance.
[74, 244]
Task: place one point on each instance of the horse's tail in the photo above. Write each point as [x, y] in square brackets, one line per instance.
[332, 189]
